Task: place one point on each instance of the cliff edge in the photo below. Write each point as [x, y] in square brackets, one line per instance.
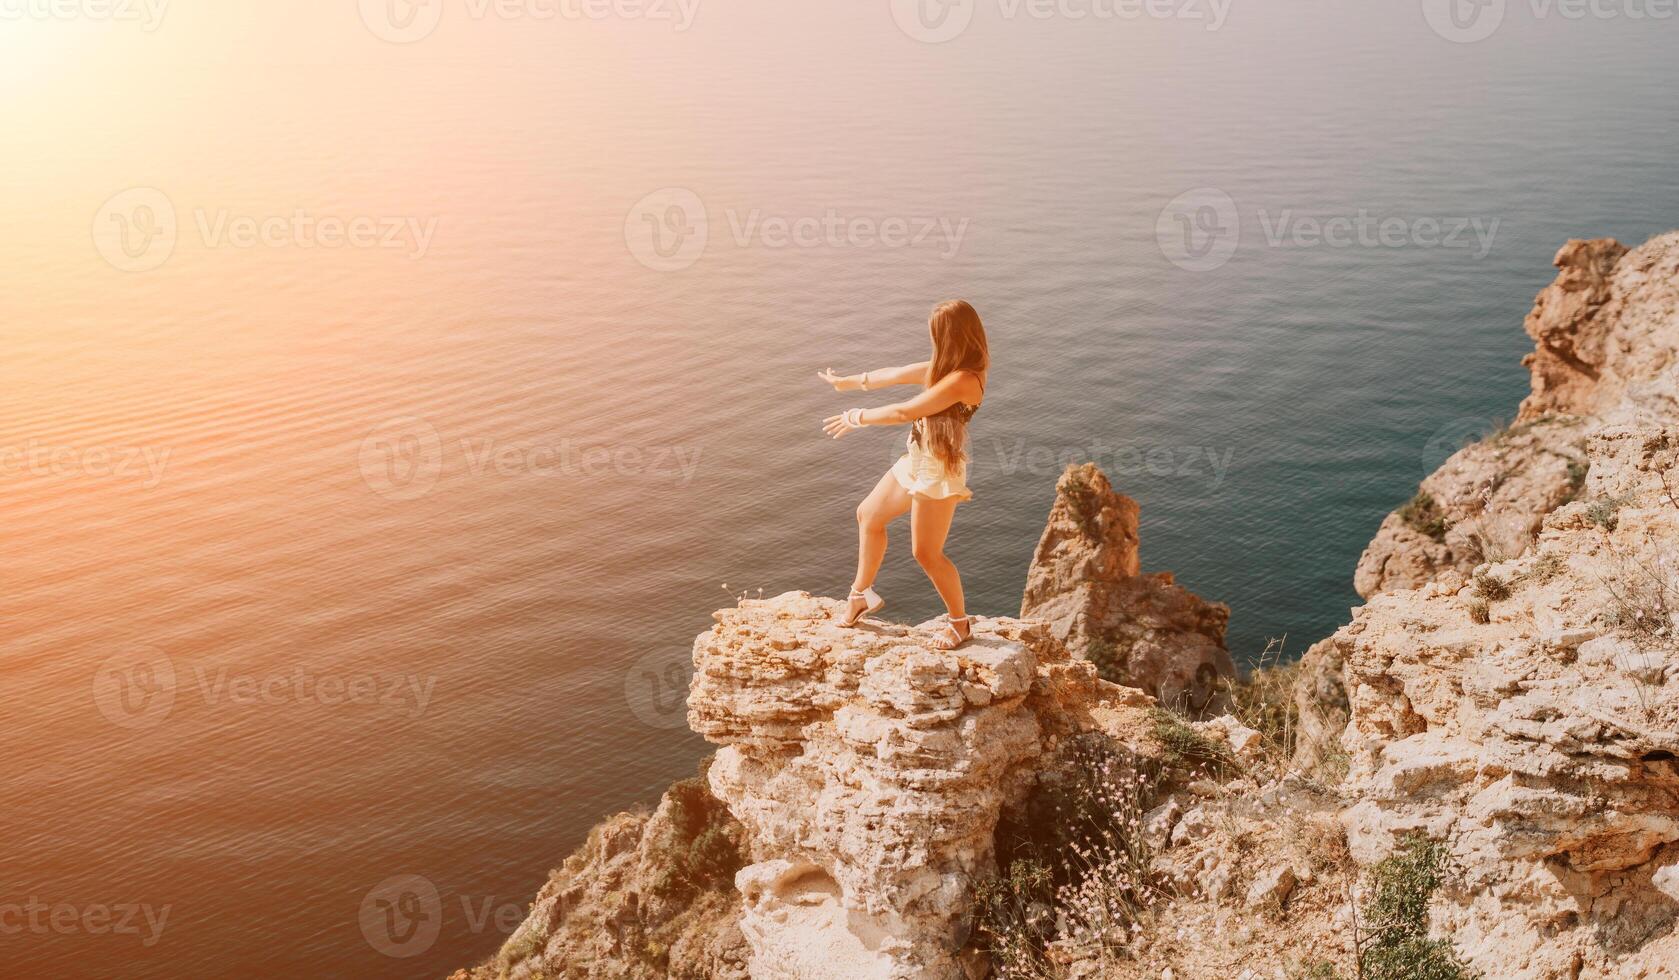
[1476, 776]
[871, 772]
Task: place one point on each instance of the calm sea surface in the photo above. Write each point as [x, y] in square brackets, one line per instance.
[328, 565]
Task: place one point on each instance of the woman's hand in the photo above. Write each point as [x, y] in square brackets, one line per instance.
[837, 426]
[840, 382]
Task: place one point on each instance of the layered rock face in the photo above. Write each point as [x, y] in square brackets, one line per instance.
[1486, 502]
[1604, 346]
[649, 896]
[1529, 718]
[1524, 709]
[1607, 348]
[870, 771]
[1143, 631]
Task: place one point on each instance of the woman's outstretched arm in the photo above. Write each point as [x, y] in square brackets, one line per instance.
[879, 378]
[958, 386]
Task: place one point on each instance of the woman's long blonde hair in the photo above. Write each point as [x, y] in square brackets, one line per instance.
[958, 345]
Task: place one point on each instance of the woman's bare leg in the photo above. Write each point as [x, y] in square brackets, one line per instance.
[929, 524]
[887, 502]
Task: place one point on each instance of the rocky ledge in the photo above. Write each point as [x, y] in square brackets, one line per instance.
[871, 770]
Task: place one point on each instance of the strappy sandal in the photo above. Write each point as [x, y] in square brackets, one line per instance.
[952, 637]
[872, 603]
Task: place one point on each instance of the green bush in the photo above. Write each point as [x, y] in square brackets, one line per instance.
[1397, 914]
[1423, 515]
[1263, 700]
[704, 847]
[1187, 750]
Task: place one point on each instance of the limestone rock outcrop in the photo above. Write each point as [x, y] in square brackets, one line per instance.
[1143, 631]
[1521, 706]
[1486, 501]
[1604, 345]
[1528, 717]
[649, 896]
[870, 771]
[1607, 352]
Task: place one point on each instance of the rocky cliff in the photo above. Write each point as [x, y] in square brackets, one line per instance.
[1604, 347]
[853, 810]
[1478, 775]
[1519, 707]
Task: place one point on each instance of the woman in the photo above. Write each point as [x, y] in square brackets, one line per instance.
[932, 478]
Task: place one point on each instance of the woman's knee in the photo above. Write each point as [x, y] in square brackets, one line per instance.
[927, 555]
[870, 518]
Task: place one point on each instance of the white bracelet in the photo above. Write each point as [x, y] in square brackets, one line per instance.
[854, 418]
